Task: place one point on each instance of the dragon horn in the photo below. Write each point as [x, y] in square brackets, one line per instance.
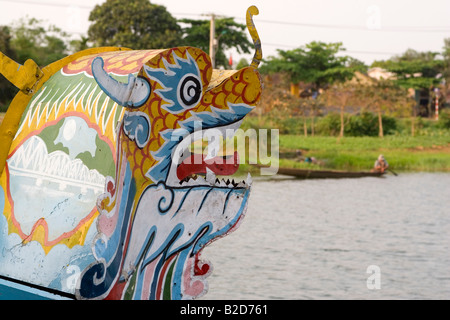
[132, 94]
[257, 57]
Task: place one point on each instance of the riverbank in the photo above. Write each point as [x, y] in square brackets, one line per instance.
[429, 153]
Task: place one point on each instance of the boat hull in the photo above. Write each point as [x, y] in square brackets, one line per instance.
[326, 174]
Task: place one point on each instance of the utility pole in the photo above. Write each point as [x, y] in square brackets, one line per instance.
[212, 40]
[436, 104]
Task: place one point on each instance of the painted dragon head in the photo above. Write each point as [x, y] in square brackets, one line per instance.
[166, 202]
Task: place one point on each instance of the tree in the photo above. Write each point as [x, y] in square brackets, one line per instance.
[79, 44]
[316, 63]
[446, 55]
[309, 105]
[312, 69]
[136, 24]
[229, 34]
[5, 42]
[242, 64]
[381, 96]
[32, 40]
[275, 97]
[341, 94]
[28, 38]
[7, 90]
[421, 71]
[414, 69]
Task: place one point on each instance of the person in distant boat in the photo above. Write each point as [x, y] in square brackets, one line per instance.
[381, 164]
[311, 160]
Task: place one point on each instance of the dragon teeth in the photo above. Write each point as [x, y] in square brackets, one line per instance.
[222, 183]
[249, 179]
[210, 176]
[200, 180]
[234, 184]
[212, 180]
[241, 184]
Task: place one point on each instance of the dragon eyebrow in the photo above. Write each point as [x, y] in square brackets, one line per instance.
[169, 77]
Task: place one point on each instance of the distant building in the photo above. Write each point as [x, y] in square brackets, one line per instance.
[379, 73]
[425, 102]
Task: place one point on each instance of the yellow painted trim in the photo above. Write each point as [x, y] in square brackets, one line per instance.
[23, 76]
[10, 124]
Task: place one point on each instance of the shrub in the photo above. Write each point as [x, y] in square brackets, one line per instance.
[363, 124]
[389, 124]
[444, 119]
[329, 125]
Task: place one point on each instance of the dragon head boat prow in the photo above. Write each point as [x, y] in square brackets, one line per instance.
[126, 120]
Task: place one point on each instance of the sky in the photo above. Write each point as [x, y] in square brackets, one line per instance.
[369, 29]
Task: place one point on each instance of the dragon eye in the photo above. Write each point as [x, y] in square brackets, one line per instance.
[189, 90]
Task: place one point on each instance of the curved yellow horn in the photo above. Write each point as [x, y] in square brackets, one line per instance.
[257, 57]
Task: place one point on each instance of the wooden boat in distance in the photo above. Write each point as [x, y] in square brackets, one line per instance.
[325, 174]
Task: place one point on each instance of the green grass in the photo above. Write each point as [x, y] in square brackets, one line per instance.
[404, 153]
[428, 150]
[362, 143]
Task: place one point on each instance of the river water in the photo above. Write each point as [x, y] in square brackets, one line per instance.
[366, 238]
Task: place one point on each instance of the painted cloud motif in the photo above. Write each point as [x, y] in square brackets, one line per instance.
[77, 137]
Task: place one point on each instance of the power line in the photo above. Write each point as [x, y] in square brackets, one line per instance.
[360, 28]
[48, 4]
[434, 29]
[415, 29]
[277, 45]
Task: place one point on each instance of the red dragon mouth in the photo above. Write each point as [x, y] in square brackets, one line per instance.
[197, 164]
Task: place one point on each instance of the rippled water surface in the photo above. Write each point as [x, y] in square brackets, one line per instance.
[316, 239]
